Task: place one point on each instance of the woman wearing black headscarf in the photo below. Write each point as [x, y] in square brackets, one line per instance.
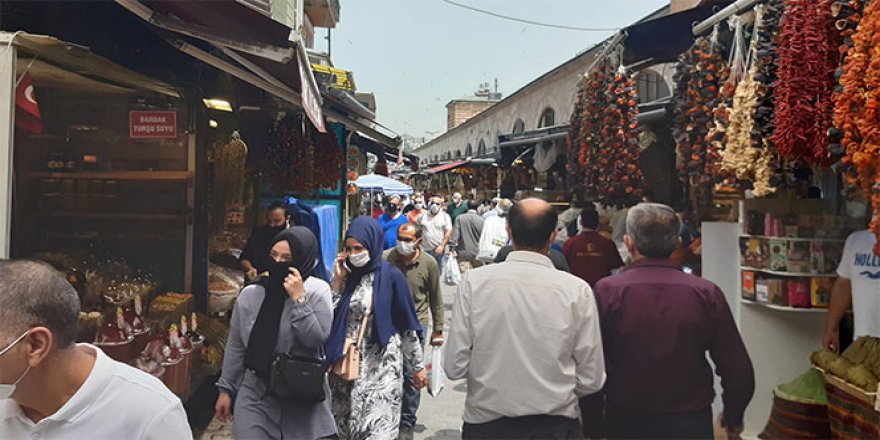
[369, 407]
[287, 312]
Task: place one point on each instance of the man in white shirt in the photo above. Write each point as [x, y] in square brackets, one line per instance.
[858, 285]
[51, 387]
[526, 336]
[436, 230]
[494, 235]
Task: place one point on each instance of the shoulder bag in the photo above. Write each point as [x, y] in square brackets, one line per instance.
[348, 368]
[298, 378]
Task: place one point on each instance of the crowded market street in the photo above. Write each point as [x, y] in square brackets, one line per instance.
[440, 219]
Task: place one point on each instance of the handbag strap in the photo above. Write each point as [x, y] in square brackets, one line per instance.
[363, 328]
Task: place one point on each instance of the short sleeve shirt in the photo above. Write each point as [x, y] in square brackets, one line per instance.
[434, 228]
[591, 256]
[862, 267]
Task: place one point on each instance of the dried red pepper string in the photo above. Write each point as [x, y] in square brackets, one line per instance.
[808, 56]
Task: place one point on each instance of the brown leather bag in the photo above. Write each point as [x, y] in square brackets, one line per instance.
[348, 368]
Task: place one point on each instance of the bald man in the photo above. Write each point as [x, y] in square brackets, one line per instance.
[526, 336]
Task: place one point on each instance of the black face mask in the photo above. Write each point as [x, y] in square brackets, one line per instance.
[275, 230]
[393, 208]
[279, 271]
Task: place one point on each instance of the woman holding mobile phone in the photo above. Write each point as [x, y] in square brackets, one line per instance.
[368, 291]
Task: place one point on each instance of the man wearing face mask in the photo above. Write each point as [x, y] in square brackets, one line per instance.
[416, 210]
[423, 277]
[457, 207]
[437, 230]
[51, 387]
[254, 258]
[391, 221]
[465, 242]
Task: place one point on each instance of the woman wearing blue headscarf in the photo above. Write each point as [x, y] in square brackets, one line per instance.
[369, 406]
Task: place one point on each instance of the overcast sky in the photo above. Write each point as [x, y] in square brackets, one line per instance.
[417, 55]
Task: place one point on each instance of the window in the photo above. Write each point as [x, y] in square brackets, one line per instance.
[652, 86]
[469, 151]
[548, 118]
[457, 153]
[519, 126]
[481, 149]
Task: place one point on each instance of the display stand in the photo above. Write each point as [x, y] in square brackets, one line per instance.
[778, 336]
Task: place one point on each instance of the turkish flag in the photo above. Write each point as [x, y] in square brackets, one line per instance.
[27, 112]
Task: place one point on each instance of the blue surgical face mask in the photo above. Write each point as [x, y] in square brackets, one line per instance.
[8, 389]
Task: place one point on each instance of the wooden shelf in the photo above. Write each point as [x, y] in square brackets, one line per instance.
[168, 176]
[781, 308]
[764, 237]
[111, 215]
[789, 274]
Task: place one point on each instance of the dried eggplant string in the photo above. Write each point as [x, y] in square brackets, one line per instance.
[699, 75]
[857, 112]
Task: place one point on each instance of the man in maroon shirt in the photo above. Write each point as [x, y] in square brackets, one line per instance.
[657, 325]
[591, 256]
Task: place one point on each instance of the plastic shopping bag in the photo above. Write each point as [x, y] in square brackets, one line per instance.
[435, 371]
[451, 272]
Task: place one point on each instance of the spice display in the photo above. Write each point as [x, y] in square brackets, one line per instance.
[301, 159]
[699, 75]
[608, 136]
[808, 55]
[856, 112]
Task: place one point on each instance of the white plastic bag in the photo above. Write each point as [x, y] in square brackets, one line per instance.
[435, 371]
[451, 272]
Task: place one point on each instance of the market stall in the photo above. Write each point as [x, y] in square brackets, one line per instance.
[771, 110]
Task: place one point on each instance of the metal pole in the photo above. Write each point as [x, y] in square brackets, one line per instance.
[731, 9]
[8, 56]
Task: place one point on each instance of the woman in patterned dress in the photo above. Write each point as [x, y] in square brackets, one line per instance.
[369, 407]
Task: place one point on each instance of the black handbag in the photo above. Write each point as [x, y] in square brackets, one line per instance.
[298, 378]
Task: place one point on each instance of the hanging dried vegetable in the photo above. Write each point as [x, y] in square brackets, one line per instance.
[808, 55]
[573, 145]
[857, 112]
[608, 136]
[229, 173]
[747, 157]
[764, 56]
[699, 75]
[847, 15]
[301, 159]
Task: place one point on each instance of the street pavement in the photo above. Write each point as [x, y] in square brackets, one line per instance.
[439, 418]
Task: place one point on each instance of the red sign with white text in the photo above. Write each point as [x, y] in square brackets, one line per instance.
[152, 124]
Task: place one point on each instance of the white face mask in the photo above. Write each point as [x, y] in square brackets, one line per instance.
[420, 205]
[406, 249]
[435, 209]
[8, 389]
[359, 260]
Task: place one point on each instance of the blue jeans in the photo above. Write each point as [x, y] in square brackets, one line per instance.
[412, 396]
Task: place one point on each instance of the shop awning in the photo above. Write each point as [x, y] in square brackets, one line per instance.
[265, 53]
[447, 166]
[533, 137]
[82, 66]
[380, 150]
[664, 39]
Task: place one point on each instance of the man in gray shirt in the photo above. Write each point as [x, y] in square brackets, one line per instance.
[465, 242]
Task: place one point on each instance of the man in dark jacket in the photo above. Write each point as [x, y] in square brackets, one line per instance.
[254, 257]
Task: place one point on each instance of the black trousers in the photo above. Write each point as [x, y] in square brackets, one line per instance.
[624, 423]
[528, 427]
